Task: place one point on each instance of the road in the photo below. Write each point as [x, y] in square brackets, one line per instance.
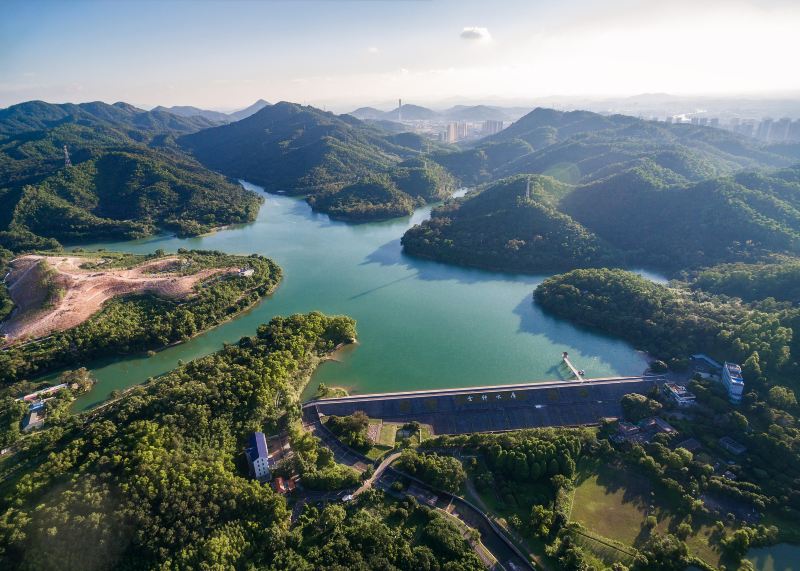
[378, 473]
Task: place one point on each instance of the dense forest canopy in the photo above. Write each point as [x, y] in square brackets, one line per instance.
[349, 169]
[641, 217]
[512, 225]
[127, 180]
[672, 323]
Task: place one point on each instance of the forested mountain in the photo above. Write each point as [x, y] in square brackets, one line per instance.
[777, 278]
[190, 111]
[127, 176]
[33, 116]
[580, 147]
[347, 168]
[122, 194]
[377, 197]
[643, 216]
[725, 219]
[295, 148]
[512, 225]
[249, 110]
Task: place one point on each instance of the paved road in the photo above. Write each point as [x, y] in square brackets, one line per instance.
[378, 472]
[341, 453]
[483, 389]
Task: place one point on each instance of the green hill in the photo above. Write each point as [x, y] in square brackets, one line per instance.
[128, 177]
[349, 169]
[665, 321]
[778, 278]
[378, 197]
[33, 116]
[296, 149]
[675, 226]
[512, 225]
[121, 194]
[579, 147]
[645, 216]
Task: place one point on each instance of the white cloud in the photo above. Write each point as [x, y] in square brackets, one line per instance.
[476, 34]
[373, 50]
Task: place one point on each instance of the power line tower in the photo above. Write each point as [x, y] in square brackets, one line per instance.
[67, 162]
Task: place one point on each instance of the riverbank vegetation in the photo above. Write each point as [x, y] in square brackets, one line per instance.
[672, 323]
[158, 478]
[140, 323]
[752, 491]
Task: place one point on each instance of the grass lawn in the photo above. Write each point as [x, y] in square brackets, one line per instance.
[604, 506]
[614, 504]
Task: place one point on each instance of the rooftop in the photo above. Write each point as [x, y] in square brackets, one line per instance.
[735, 372]
[257, 446]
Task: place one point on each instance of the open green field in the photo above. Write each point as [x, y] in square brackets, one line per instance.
[606, 507]
[603, 505]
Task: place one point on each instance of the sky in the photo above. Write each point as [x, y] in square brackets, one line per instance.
[342, 54]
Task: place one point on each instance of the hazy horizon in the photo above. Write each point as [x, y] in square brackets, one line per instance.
[226, 55]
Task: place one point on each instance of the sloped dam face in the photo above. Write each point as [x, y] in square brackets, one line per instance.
[496, 408]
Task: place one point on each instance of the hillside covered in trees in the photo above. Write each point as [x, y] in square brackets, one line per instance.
[334, 159]
[127, 178]
[641, 217]
[512, 225]
[672, 323]
[579, 147]
[155, 480]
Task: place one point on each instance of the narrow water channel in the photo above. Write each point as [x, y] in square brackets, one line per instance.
[421, 324]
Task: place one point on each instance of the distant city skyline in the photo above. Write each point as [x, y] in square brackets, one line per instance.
[343, 54]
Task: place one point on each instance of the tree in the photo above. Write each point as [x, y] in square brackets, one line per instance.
[635, 407]
[782, 397]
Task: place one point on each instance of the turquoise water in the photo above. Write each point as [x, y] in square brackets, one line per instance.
[782, 557]
[421, 324]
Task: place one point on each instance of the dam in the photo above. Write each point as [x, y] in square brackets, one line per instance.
[494, 408]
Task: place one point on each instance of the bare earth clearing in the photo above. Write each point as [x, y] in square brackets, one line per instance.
[84, 291]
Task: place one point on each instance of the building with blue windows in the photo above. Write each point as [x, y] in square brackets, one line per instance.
[258, 457]
[733, 381]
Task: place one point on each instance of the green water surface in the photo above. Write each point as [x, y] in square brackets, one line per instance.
[421, 324]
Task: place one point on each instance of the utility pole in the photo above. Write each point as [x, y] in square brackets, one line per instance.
[399, 110]
[67, 162]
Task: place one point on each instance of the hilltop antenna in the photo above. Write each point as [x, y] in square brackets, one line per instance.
[67, 162]
[399, 110]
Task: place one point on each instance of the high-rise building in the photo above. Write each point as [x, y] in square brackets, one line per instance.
[764, 128]
[733, 381]
[794, 131]
[491, 127]
[780, 130]
[451, 135]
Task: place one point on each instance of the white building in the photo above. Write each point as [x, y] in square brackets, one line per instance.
[258, 457]
[733, 381]
[679, 394]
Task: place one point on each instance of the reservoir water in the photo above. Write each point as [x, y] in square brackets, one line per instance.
[421, 324]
